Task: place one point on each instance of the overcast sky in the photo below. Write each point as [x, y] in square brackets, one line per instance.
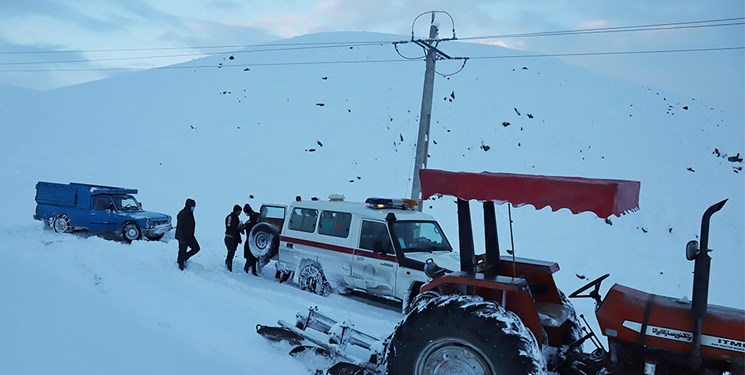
[29, 29]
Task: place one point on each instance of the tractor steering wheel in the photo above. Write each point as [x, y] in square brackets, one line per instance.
[594, 294]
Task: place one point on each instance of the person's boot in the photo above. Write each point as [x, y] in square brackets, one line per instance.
[181, 265]
[245, 268]
[229, 264]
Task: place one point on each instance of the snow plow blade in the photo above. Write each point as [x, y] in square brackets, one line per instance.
[278, 334]
[346, 368]
[327, 346]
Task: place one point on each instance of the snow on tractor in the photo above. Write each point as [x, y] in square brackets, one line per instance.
[507, 316]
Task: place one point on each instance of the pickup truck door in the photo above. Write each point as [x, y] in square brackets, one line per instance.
[103, 215]
[374, 267]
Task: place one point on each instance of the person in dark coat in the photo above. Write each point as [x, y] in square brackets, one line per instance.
[253, 218]
[185, 226]
[232, 235]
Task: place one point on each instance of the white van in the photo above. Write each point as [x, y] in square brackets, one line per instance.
[378, 247]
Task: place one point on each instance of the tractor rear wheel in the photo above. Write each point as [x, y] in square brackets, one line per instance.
[462, 335]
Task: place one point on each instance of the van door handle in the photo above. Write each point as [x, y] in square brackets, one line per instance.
[360, 257]
[291, 245]
[386, 264]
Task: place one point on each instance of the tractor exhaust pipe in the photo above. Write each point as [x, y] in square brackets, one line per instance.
[701, 270]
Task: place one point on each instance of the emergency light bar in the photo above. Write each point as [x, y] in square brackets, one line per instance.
[401, 204]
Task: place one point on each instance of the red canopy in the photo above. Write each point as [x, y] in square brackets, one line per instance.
[578, 194]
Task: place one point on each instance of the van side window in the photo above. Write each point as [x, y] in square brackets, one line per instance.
[374, 236]
[335, 224]
[303, 219]
[101, 203]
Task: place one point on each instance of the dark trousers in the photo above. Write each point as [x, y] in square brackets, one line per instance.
[183, 254]
[250, 260]
[232, 244]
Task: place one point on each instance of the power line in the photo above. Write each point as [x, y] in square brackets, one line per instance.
[226, 66]
[228, 46]
[306, 45]
[604, 30]
[607, 53]
[358, 44]
[332, 62]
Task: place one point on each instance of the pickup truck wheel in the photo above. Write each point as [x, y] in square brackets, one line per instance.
[131, 231]
[155, 237]
[312, 279]
[263, 241]
[62, 224]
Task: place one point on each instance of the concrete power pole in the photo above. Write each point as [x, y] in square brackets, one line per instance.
[422, 143]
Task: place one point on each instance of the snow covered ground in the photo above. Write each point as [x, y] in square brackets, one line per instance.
[258, 129]
[90, 305]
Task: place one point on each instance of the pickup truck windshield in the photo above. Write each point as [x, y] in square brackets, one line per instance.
[420, 236]
[126, 203]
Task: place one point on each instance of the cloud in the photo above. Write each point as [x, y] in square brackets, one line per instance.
[206, 33]
[287, 25]
[595, 24]
[33, 66]
[225, 5]
[501, 43]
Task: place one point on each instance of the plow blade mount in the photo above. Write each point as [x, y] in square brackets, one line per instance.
[323, 344]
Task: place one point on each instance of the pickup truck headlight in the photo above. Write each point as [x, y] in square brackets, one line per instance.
[149, 223]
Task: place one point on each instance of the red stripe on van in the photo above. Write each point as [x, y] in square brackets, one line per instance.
[340, 249]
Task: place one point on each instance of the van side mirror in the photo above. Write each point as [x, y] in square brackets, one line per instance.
[111, 207]
[692, 249]
[139, 205]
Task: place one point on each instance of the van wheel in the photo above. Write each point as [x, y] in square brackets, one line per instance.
[62, 224]
[131, 231]
[263, 241]
[312, 279]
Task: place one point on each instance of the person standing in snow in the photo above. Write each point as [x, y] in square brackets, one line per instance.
[232, 235]
[253, 218]
[185, 226]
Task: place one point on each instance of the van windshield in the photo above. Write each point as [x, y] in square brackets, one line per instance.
[420, 236]
[126, 203]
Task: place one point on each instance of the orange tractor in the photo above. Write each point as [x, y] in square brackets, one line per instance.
[507, 316]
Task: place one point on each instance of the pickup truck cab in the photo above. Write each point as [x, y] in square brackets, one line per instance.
[98, 209]
[378, 247]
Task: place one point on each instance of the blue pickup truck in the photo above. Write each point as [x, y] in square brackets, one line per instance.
[98, 209]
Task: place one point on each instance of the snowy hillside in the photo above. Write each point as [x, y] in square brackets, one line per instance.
[11, 94]
[257, 126]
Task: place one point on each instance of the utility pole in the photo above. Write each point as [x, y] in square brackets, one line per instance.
[425, 115]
